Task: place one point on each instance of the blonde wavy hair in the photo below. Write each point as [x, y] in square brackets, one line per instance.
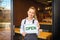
[32, 7]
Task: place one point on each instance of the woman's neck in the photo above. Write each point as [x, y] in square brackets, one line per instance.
[29, 18]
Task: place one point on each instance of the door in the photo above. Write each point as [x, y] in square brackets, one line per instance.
[5, 20]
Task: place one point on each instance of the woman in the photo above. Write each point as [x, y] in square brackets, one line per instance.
[30, 20]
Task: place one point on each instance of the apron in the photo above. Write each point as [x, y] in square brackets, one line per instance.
[31, 35]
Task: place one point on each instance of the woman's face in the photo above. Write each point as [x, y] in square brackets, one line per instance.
[31, 13]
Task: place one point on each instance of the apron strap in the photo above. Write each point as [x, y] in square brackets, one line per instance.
[25, 22]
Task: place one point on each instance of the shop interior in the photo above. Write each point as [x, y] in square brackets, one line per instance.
[44, 16]
[13, 11]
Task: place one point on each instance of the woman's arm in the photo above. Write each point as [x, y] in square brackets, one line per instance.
[37, 23]
[22, 29]
[38, 26]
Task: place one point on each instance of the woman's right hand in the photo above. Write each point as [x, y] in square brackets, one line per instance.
[23, 33]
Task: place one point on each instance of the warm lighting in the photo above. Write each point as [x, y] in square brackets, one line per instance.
[38, 9]
[47, 8]
[49, 1]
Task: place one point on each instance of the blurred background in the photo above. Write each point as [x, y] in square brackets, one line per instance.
[5, 20]
[44, 16]
[20, 7]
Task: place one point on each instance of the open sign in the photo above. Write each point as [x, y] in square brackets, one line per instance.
[31, 28]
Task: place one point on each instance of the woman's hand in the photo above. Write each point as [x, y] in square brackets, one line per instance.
[23, 33]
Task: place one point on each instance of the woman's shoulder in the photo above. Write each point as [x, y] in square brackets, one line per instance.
[23, 19]
[35, 20]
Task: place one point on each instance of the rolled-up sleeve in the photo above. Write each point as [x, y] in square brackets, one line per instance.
[37, 23]
[38, 26]
[21, 27]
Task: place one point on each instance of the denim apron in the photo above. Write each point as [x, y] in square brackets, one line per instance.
[32, 36]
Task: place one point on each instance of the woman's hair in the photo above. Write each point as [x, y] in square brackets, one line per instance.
[32, 7]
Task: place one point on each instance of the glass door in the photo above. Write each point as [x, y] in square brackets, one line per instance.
[5, 20]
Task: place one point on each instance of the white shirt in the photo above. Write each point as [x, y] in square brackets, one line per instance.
[28, 22]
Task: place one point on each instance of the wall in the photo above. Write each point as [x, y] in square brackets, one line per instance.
[20, 10]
